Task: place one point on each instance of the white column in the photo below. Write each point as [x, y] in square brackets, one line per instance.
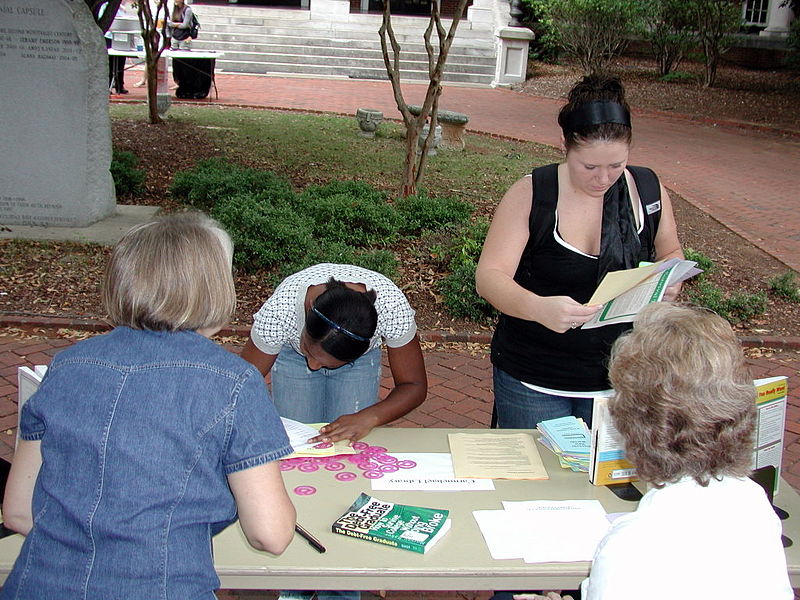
[481, 14]
[512, 56]
[778, 19]
[328, 8]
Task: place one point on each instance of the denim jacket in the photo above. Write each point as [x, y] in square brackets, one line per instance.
[139, 431]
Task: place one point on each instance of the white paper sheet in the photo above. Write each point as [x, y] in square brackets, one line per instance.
[434, 472]
[544, 530]
[299, 433]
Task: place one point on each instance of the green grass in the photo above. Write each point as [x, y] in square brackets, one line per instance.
[316, 148]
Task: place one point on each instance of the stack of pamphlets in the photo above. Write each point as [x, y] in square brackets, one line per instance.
[569, 439]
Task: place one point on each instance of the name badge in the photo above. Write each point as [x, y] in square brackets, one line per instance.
[653, 208]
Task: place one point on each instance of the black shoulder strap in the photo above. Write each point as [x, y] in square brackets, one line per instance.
[649, 189]
[545, 197]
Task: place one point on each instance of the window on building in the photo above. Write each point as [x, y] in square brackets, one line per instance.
[755, 12]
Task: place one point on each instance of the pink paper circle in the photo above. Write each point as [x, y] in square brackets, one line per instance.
[345, 476]
[360, 445]
[372, 474]
[322, 445]
[366, 465]
[305, 490]
[385, 459]
[376, 449]
[406, 464]
[334, 466]
[286, 465]
[308, 467]
[388, 468]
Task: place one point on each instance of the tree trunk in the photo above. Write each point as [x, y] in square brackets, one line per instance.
[414, 167]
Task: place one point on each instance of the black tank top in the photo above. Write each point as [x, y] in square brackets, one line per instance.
[575, 360]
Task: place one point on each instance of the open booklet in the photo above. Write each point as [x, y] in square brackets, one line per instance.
[624, 293]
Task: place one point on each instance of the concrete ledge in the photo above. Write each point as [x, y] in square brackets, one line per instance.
[28, 322]
[106, 231]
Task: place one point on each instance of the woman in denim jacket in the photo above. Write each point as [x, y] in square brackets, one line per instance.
[143, 443]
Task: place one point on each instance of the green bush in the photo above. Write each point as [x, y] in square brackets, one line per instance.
[264, 235]
[595, 31]
[422, 213]
[736, 308]
[461, 299]
[793, 43]
[679, 77]
[215, 179]
[458, 288]
[382, 261]
[350, 212]
[538, 17]
[670, 31]
[128, 179]
[785, 286]
[703, 262]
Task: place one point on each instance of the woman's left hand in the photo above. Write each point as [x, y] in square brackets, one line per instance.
[347, 427]
[671, 293]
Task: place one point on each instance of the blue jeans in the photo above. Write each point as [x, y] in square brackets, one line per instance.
[320, 397]
[520, 407]
[324, 395]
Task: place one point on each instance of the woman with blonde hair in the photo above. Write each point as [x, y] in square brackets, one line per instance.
[143, 443]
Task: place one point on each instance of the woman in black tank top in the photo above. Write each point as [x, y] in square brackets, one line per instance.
[553, 237]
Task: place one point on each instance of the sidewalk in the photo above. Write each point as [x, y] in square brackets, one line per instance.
[742, 175]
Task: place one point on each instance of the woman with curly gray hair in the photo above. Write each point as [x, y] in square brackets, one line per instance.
[684, 404]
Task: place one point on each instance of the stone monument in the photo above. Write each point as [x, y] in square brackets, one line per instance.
[56, 140]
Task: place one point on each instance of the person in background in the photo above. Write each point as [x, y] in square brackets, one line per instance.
[554, 236]
[684, 404]
[143, 443]
[116, 64]
[178, 25]
[319, 336]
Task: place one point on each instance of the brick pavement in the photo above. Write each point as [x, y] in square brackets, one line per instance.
[459, 395]
[459, 377]
[740, 174]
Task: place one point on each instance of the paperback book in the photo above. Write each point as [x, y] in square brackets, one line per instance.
[414, 528]
[608, 464]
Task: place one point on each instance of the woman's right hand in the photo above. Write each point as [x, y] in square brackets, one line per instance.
[560, 313]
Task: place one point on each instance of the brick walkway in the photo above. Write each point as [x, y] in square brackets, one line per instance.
[459, 377]
[742, 175]
[459, 395]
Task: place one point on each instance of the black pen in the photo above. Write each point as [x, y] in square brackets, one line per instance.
[315, 543]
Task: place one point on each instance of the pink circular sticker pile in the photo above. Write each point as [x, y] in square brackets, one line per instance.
[345, 476]
[305, 490]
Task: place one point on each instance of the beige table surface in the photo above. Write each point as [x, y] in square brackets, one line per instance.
[460, 561]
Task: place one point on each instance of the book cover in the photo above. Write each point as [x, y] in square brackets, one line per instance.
[414, 528]
[608, 464]
[771, 395]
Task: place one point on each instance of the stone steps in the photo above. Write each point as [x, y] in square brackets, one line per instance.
[288, 41]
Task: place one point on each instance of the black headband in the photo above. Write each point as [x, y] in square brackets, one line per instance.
[597, 112]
